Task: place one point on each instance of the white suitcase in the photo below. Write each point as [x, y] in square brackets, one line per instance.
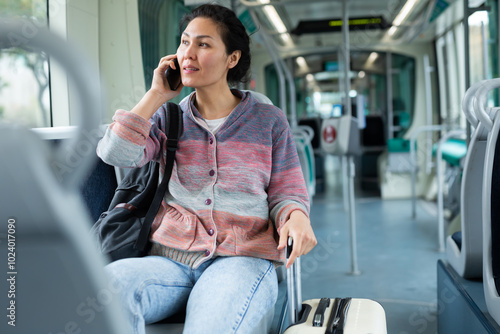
[330, 315]
[335, 316]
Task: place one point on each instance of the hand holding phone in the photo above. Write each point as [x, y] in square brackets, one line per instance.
[174, 76]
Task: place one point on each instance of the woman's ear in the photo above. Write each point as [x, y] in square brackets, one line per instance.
[234, 58]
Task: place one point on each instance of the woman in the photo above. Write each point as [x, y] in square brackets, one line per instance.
[235, 195]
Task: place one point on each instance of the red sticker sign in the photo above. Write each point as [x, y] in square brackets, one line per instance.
[329, 134]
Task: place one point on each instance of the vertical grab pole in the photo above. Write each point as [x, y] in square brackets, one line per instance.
[390, 108]
[347, 56]
[352, 216]
[440, 195]
[465, 22]
[428, 105]
[293, 94]
[345, 185]
[414, 168]
[350, 159]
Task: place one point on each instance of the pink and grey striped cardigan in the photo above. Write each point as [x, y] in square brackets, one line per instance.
[229, 193]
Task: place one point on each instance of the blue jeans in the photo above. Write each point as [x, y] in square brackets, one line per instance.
[223, 295]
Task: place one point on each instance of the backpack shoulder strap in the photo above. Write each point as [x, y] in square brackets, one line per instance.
[174, 132]
[175, 125]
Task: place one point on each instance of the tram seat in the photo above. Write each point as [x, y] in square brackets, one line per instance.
[315, 124]
[99, 188]
[453, 151]
[373, 134]
[303, 136]
[57, 268]
[465, 248]
[491, 221]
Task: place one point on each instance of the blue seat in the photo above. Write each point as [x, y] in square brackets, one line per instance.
[453, 151]
[98, 189]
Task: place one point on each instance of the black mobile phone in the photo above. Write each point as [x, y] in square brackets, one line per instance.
[174, 76]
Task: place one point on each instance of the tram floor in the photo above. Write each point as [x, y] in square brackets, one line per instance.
[396, 257]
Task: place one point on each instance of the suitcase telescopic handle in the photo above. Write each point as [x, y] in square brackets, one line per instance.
[294, 286]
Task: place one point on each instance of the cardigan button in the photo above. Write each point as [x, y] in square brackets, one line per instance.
[211, 141]
[211, 173]
[207, 253]
[211, 232]
[208, 201]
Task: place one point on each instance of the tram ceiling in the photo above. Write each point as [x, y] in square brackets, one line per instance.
[302, 25]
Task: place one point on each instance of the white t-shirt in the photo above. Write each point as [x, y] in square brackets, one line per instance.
[212, 124]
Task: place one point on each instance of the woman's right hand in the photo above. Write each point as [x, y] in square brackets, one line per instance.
[160, 91]
[160, 85]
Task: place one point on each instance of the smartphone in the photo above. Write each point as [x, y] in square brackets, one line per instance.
[174, 76]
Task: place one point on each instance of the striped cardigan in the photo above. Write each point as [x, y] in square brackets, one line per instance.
[229, 193]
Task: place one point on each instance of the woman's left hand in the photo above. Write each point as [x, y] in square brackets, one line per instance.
[298, 226]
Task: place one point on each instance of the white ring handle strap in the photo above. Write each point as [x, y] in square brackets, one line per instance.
[468, 103]
[480, 102]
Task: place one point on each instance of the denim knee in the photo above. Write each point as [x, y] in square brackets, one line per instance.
[234, 295]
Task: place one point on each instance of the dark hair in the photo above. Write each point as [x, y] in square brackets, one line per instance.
[233, 33]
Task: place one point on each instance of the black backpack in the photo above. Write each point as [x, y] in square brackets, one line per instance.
[123, 231]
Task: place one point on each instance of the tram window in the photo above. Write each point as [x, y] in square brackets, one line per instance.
[403, 92]
[493, 39]
[160, 36]
[483, 47]
[482, 57]
[24, 83]
[478, 32]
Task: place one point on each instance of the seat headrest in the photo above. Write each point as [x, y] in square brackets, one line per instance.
[258, 96]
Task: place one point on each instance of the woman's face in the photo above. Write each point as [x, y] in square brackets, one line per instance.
[202, 55]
